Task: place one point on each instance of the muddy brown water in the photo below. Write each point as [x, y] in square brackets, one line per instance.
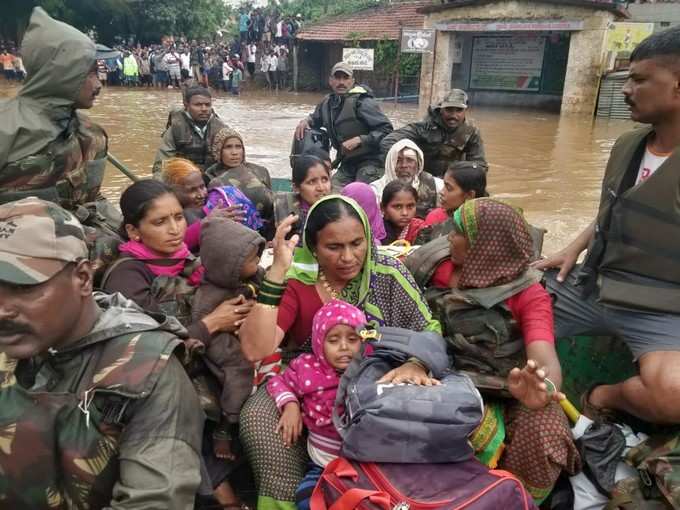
[550, 165]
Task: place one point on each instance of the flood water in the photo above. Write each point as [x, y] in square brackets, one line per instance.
[550, 165]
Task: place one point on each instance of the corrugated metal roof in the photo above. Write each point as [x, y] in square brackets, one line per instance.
[367, 25]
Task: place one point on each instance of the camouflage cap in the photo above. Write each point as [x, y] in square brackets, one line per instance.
[37, 240]
[456, 98]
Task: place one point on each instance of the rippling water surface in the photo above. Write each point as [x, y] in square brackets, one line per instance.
[549, 165]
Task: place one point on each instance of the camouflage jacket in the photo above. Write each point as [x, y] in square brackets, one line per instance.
[427, 195]
[69, 171]
[440, 145]
[182, 138]
[109, 422]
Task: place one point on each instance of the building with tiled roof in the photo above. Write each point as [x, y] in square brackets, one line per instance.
[321, 44]
[374, 24]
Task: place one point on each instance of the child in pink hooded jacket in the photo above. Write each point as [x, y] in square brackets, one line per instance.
[305, 392]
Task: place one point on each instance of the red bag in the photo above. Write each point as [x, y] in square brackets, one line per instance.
[469, 485]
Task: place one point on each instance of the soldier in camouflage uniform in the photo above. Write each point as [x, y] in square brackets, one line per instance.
[95, 411]
[444, 136]
[47, 147]
[190, 132]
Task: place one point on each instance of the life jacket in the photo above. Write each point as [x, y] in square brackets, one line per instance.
[69, 172]
[188, 142]
[636, 248]
[346, 124]
[173, 294]
[483, 338]
[427, 195]
[60, 450]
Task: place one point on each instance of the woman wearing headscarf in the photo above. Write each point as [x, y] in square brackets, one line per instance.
[252, 180]
[186, 181]
[337, 260]
[490, 251]
[405, 162]
[362, 194]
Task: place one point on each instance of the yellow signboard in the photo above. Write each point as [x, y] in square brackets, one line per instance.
[624, 37]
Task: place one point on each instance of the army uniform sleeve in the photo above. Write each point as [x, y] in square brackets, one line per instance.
[369, 112]
[166, 150]
[474, 148]
[411, 131]
[314, 119]
[159, 447]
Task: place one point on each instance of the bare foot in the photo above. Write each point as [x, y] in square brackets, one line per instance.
[222, 448]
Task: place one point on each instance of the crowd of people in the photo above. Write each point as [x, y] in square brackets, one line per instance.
[192, 354]
[176, 64]
[263, 45]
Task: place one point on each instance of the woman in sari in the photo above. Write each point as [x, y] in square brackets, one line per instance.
[490, 251]
[158, 272]
[337, 260]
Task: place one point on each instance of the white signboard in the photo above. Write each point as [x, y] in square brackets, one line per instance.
[417, 41]
[359, 59]
[507, 63]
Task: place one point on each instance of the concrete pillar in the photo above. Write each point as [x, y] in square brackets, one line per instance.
[584, 66]
[435, 72]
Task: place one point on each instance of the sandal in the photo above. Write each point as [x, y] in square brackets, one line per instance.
[599, 414]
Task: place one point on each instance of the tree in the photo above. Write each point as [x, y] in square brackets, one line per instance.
[146, 20]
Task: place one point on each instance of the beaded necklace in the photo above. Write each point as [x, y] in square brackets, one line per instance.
[327, 286]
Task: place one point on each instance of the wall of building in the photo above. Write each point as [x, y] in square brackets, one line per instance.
[583, 67]
[663, 15]
[549, 95]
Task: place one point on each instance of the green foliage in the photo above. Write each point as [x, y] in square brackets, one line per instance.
[313, 10]
[146, 20]
[193, 18]
[386, 53]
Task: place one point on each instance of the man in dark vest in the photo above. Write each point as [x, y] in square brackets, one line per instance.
[444, 136]
[629, 282]
[355, 124]
[95, 410]
[189, 132]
